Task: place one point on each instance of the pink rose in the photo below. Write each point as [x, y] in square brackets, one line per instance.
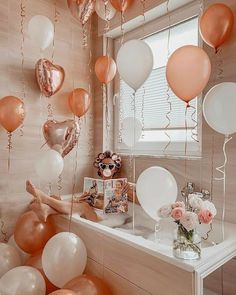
[178, 205]
[205, 216]
[189, 221]
[177, 213]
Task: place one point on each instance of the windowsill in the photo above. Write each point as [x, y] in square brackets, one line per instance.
[161, 156]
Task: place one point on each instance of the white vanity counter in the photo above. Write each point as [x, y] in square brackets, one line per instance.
[191, 273]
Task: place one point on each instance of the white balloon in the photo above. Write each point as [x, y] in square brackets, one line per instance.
[41, 31]
[64, 258]
[156, 187]
[135, 63]
[9, 258]
[22, 280]
[103, 12]
[49, 165]
[219, 108]
[24, 256]
[131, 131]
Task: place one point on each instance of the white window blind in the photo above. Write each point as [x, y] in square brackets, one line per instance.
[151, 100]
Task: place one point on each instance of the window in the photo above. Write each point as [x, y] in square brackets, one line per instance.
[158, 137]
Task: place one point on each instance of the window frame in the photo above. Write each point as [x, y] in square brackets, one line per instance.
[155, 149]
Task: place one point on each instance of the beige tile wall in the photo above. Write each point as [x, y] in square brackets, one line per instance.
[70, 54]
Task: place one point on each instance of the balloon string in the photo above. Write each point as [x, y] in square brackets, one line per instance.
[169, 103]
[22, 47]
[194, 130]
[201, 6]
[212, 161]
[143, 3]
[122, 21]
[56, 19]
[3, 232]
[133, 106]
[74, 176]
[222, 169]
[9, 145]
[50, 111]
[85, 37]
[219, 62]
[186, 143]
[121, 116]
[142, 111]
[59, 184]
[107, 14]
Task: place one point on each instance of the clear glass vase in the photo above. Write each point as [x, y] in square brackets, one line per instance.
[186, 244]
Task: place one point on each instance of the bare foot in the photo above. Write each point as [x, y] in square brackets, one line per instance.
[42, 210]
[36, 193]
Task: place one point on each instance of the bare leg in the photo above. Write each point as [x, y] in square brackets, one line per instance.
[63, 207]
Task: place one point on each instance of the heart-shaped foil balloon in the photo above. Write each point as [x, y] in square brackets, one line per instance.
[61, 136]
[81, 9]
[50, 77]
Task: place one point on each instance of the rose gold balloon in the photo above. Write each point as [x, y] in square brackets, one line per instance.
[216, 24]
[88, 284]
[61, 136]
[35, 261]
[121, 5]
[63, 292]
[81, 10]
[50, 77]
[188, 72]
[12, 113]
[79, 102]
[31, 234]
[105, 69]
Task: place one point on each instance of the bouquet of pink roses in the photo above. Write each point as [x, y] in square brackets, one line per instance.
[187, 217]
[196, 212]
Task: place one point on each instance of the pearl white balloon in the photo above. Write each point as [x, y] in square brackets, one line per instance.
[131, 131]
[64, 258]
[103, 12]
[49, 165]
[9, 258]
[41, 31]
[24, 256]
[156, 187]
[219, 108]
[22, 280]
[135, 63]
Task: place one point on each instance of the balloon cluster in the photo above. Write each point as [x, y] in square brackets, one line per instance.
[30, 263]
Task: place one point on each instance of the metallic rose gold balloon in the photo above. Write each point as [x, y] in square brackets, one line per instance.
[61, 136]
[79, 102]
[12, 113]
[50, 77]
[31, 234]
[121, 5]
[216, 24]
[88, 284]
[105, 69]
[81, 10]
